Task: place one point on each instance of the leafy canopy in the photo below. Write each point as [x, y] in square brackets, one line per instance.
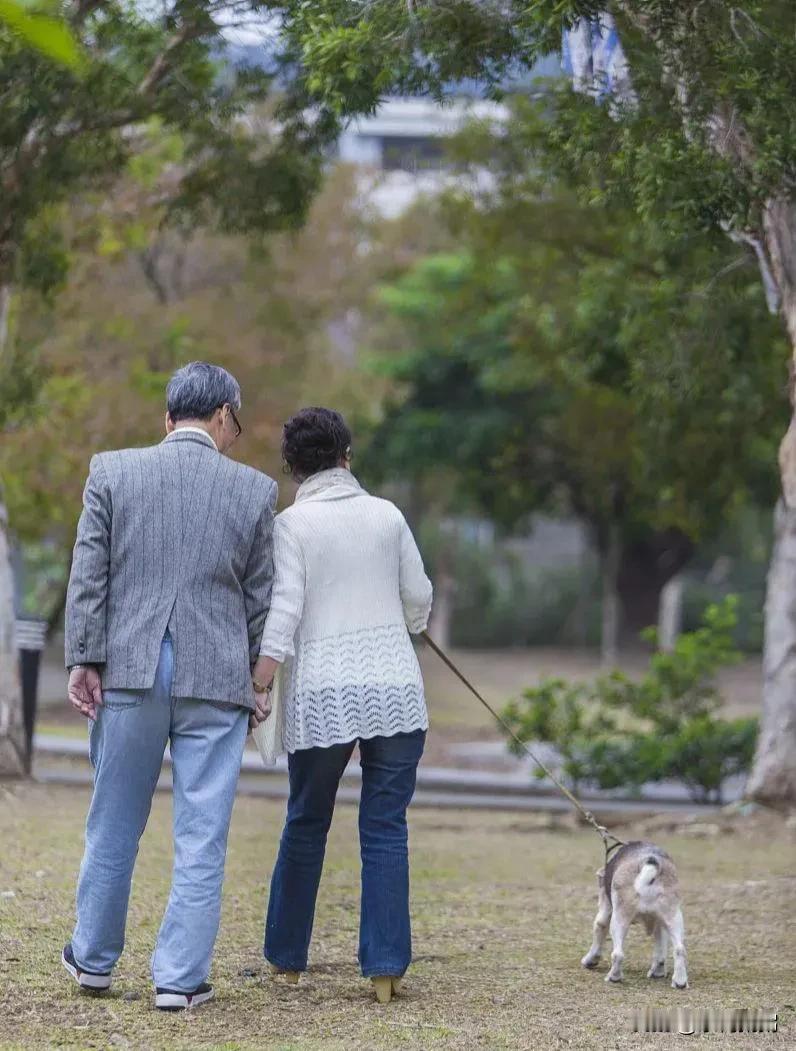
[575, 355]
[64, 130]
[712, 129]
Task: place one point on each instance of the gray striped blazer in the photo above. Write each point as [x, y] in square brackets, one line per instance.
[174, 537]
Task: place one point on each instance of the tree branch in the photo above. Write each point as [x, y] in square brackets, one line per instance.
[40, 138]
[736, 264]
[770, 285]
[163, 62]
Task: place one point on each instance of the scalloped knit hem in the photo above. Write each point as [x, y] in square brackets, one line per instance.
[345, 739]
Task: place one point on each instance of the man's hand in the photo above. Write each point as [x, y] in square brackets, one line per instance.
[85, 690]
[261, 711]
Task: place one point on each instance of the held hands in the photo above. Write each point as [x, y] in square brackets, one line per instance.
[85, 690]
[262, 675]
[261, 711]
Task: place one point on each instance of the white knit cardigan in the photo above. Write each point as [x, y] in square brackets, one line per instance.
[349, 586]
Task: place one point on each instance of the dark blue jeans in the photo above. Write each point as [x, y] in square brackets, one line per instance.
[389, 769]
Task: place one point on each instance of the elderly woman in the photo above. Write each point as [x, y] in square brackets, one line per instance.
[349, 587]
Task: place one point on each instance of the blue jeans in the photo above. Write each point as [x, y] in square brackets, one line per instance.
[126, 746]
[389, 769]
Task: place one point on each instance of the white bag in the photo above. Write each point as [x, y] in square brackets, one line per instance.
[270, 734]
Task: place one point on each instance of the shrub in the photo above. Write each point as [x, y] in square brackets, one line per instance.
[618, 732]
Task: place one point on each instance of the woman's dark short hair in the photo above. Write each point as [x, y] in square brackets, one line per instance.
[314, 440]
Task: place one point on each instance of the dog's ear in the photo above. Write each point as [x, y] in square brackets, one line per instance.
[600, 874]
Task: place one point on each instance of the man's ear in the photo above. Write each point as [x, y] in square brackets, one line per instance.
[169, 424]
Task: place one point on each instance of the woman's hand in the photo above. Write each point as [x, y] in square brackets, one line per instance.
[264, 671]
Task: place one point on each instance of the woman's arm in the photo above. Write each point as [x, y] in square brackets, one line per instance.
[416, 590]
[287, 596]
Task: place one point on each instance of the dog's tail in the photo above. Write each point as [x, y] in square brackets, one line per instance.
[647, 874]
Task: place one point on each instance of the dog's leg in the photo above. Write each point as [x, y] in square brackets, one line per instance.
[601, 920]
[659, 949]
[676, 929]
[620, 921]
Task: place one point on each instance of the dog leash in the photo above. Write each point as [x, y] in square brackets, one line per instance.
[610, 841]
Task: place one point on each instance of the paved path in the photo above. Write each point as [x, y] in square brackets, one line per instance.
[65, 760]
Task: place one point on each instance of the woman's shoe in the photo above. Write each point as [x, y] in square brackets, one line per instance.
[386, 987]
[291, 977]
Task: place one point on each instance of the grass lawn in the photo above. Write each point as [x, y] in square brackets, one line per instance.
[502, 908]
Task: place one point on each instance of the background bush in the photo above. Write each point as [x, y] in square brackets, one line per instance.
[617, 732]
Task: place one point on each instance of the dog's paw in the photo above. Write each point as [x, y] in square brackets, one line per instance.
[657, 972]
[679, 985]
[589, 962]
[611, 977]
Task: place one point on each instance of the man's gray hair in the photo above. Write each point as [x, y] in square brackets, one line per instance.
[196, 390]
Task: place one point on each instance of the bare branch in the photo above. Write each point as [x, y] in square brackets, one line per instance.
[770, 286]
[759, 32]
[734, 27]
[163, 62]
[735, 264]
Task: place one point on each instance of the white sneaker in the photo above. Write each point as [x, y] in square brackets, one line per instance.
[171, 1000]
[92, 980]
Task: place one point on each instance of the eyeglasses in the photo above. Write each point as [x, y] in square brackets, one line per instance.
[236, 421]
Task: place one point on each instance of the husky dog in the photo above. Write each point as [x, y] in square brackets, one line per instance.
[639, 884]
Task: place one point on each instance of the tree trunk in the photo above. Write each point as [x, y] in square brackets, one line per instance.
[12, 731]
[670, 613]
[646, 567]
[444, 587]
[773, 777]
[439, 627]
[609, 636]
[576, 627]
[5, 313]
[12, 734]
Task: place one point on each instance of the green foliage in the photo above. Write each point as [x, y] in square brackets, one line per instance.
[353, 54]
[619, 732]
[700, 594]
[35, 475]
[42, 32]
[712, 132]
[148, 101]
[577, 357]
[706, 750]
[44, 257]
[45, 575]
[20, 379]
[681, 682]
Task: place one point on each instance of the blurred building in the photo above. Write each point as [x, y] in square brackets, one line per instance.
[401, 148]
[401, 151]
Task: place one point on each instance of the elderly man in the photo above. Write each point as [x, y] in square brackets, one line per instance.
[170, 586]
